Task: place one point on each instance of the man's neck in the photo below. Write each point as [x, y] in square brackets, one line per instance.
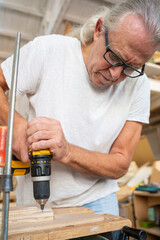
[86, 51]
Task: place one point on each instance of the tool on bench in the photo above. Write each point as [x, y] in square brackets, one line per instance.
[40, 169]
[40, 172]
[148, 188]
[134, 233]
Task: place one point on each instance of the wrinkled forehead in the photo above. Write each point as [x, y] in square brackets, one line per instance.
[131, 38]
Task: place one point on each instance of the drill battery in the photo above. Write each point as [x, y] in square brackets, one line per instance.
[18, 167]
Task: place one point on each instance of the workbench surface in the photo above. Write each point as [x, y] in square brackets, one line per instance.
[29, 223]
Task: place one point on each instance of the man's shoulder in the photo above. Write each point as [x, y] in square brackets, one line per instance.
[55, 39]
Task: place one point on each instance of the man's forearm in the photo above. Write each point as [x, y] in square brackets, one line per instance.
[112, 165]
[95, 163]
[20, 148]
[4, 109]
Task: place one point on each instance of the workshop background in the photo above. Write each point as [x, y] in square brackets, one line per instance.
[42, 17]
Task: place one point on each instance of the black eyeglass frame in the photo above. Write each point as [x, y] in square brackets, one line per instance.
[108, 49]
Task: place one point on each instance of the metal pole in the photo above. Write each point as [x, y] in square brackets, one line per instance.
[8, 158]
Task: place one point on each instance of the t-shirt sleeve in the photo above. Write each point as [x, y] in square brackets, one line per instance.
[140, 107]
[30, 67]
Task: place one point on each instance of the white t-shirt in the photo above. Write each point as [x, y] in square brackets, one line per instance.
[52, 73]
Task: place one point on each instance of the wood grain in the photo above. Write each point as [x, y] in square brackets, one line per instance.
[28, 223]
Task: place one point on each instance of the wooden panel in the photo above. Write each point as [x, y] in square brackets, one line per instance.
[72, 210]
[12, 197]
[31, 223]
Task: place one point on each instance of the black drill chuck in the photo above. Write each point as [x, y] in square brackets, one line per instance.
[40, 172]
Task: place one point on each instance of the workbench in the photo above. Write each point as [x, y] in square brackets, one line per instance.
[29, 223]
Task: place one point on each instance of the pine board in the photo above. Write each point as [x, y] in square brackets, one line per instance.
[31, 224]
[12, 197]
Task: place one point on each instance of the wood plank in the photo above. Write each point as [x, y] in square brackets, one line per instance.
[34, 208]
[21, 210]
[11, 204]
[110, 223]
[31, 224]
[31, 217]
[62, 218]
[72, 210]
[42, 236]
[12, 197]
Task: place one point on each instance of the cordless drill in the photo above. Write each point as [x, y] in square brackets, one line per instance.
[40, 172]
[40, 166]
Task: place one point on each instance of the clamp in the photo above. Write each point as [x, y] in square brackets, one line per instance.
[134, 233]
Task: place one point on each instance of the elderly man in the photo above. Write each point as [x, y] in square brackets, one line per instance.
[88, 98]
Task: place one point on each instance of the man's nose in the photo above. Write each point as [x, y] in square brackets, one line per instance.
[115, 72]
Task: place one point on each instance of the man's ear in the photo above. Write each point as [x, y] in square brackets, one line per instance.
[99, 28]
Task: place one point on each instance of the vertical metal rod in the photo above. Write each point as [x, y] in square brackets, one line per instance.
[8, 158]
[5, 212]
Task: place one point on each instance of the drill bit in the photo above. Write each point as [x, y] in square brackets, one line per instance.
[42, 203]
[42, 207]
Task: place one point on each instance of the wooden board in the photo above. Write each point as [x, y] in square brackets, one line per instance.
[66, 223]
[72, 210]
[14, 209]
[12, 197]
[11, 204]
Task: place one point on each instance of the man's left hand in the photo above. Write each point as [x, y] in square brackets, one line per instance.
[45, 133]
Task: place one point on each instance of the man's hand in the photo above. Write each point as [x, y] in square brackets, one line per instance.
[46, 133]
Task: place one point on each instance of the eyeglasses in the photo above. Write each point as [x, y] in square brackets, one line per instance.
[114, 60]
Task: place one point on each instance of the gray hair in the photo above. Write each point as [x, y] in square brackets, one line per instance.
[148, 10]
[85, 32]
